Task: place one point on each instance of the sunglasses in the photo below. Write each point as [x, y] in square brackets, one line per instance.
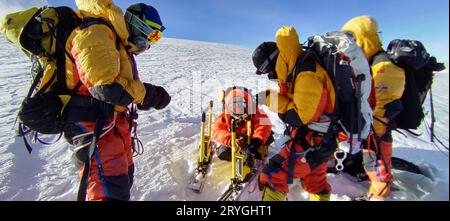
[151, 30]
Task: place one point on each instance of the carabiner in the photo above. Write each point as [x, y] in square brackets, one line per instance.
[340, 156]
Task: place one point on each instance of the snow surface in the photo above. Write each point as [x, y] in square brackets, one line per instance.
[193, 73]
[10, 6]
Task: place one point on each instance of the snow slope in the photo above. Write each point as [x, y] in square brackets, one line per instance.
[193, 73]
[10, 6]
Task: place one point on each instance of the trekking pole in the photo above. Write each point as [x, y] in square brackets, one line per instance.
[202, 139]
[249, 129]
[208, 149]
[233, 150]
[211, 103]
[433, 119]
[249, 156]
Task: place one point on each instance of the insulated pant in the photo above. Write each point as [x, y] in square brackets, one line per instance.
[310, 167]
[377, 160]
[112, 168]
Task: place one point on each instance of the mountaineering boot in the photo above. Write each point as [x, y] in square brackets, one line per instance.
[273, 195]
[367, 197]
[223, 153]
[263, 151]
[379, 190]
[319, 196]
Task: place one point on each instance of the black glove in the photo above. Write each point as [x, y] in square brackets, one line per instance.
[254, 148]
[434, 65]
[155, 96]
[242, 141]
[291, 117]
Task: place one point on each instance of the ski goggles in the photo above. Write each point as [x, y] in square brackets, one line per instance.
[151, 30]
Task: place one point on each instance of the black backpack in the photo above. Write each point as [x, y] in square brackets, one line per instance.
[419, 66]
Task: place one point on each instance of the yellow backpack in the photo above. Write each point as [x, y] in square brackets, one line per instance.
[42, 33]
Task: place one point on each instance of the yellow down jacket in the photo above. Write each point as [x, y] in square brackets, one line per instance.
[313, 92]
[388, 79]
[107, 71]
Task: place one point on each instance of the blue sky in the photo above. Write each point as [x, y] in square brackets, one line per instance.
[249, 22]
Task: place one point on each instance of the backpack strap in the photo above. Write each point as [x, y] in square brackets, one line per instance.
[86, 22]
[305, 62]
[82, 188]
[67, 22]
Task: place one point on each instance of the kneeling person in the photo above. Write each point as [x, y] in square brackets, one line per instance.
[239, 105]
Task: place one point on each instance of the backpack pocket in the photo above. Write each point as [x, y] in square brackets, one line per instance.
[42, 113]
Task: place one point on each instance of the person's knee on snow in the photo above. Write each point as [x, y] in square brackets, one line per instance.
[239, 106]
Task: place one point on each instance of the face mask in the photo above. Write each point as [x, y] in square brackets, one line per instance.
[272, 75]
[141, 44]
